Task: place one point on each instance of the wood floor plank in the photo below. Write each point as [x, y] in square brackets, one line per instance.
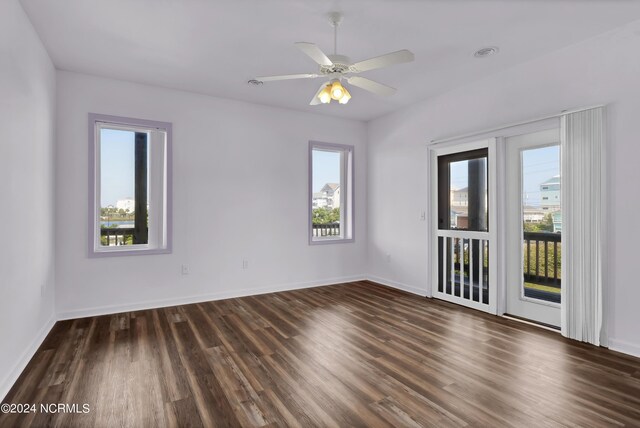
[355, 354]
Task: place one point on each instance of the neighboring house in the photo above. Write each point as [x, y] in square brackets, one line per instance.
[319, 200]
[550, 201]
[462, 221]
[460, 197]
[557, 221]
[532, 214]
[453, 216]
[126, 204]
[550, 194]
[328, 196]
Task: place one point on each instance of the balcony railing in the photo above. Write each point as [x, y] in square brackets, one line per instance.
[328, 229]
[111, 236]
[542, 265]
[124, 235]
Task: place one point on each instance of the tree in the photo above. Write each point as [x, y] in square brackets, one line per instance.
[325, 215]
[546, 225]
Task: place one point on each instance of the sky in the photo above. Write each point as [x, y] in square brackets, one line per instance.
[539, 165]
[117, 169]
[326, 169]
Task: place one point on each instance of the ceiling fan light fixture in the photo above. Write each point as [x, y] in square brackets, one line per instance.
[345, 97]
[325, 95]
[337, 90]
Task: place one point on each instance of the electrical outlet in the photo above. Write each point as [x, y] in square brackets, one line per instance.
[185, 270]
[423, 215]
[245, 264]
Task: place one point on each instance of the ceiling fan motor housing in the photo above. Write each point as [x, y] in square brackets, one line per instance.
[340, 64]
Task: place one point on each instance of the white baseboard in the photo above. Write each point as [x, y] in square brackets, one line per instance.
[398, 285]
[25, 357]
[625, 347]
[153, 304]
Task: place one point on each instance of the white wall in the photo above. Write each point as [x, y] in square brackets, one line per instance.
[240, 190]
[603, 70]
[27, 118]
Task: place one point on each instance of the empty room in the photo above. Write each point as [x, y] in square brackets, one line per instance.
[221, 213]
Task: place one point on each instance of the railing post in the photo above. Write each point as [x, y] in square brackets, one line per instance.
[528, 256]
[555, 262]
[546, 260]
[537, 259]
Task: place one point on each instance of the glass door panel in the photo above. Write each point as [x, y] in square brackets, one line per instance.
[463, 216]
[534, 227]
[541, 223]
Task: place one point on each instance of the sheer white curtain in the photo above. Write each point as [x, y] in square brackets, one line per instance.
[583, 173]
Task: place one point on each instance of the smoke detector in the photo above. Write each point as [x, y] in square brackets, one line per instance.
[485, 52]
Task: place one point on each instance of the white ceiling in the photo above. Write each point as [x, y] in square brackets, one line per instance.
[215, 46]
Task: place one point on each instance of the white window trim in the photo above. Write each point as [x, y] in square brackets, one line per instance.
[160, 239]
[347, 194]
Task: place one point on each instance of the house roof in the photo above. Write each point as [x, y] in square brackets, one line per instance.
[464, 189]
[333, 186]
[553, 180]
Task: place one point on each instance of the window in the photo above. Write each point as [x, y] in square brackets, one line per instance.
[463, 191]
[330, 193]
[130, 186]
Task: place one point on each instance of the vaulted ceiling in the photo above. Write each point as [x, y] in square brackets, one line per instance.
[214, 47]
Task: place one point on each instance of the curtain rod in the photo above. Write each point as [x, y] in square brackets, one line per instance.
[509, 125]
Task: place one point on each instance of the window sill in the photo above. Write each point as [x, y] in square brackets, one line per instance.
[129, 252]
[331, 241]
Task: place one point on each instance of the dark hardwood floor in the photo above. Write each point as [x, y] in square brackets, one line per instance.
[358, 354]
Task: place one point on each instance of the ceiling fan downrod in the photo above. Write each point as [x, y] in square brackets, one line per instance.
[335, 18]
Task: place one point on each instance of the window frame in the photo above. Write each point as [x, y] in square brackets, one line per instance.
[347, 194]
[95, 123]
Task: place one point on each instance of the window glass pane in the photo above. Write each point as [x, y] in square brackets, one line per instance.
[124, 180]
[327, 190]
[542, 223]
[468, 194]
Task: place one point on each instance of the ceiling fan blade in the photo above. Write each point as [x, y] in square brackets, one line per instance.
[286, 77]
[315, 100]
[371, 86]
[314, 52]
[392, 58]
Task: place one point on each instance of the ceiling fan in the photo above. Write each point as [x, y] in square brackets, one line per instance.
[336, 68]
